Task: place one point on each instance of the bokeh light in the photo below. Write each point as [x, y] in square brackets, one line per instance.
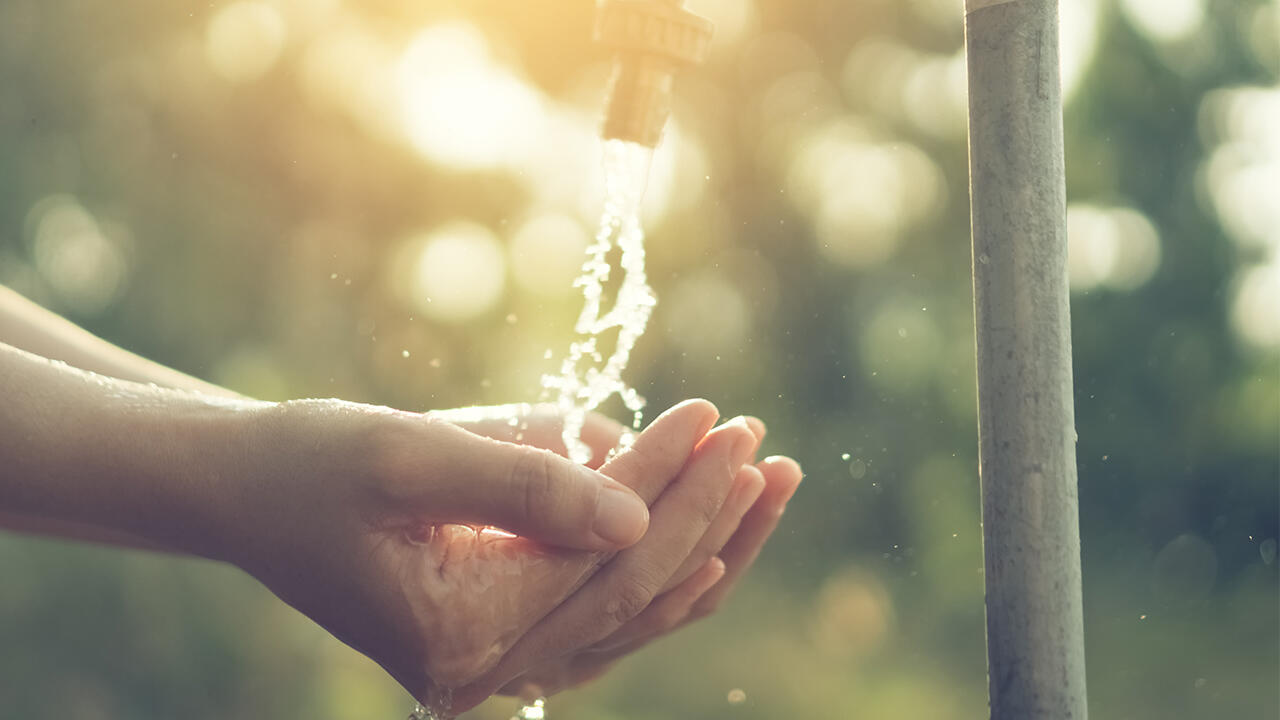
[85, 269]
[547, 253]
[706, 316]
[1113, 247]
[461, 108]
[460, 272]
[244, 39]
[862, 193]
[1080, 24]
[1165, 20]
[388, 202]
[1255, 308]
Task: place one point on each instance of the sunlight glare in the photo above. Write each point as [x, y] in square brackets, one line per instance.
[1165, 20]
[733, 18]
[547, 253]
[460, 272]
[460, 108]
[244, 39]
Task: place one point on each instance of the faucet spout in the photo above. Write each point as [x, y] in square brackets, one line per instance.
[651, 40]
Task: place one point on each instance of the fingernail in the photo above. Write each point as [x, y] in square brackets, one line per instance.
[621, 516]
[744, 446]
[757, 427]
[750, 485]
[717, 569]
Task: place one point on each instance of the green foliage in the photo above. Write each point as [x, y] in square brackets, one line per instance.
[254, 224]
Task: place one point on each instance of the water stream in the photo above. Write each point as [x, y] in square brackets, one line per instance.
[589, 374]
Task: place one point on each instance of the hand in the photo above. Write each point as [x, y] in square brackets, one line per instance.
[351, 513]
[696, 590]
[697, 597]
[354, 515]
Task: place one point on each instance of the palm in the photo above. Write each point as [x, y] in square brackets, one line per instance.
[553, 574]
[479, 590]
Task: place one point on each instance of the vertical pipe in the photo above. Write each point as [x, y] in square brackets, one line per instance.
[1026, 423]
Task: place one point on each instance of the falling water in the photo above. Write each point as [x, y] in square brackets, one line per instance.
[587, 376]
[535, 710]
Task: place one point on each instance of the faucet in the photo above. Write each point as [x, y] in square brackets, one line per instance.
[651, 40]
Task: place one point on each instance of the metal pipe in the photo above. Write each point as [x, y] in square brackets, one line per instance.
[652, 40]
[1030, 513]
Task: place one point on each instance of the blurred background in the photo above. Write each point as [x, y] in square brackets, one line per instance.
[267, 194]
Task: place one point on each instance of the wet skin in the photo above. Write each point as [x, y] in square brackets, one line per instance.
[363, 517]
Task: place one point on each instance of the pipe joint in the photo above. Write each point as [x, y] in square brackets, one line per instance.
[652, 40]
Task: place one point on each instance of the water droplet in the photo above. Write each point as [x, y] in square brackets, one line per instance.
[404, 353]
[511, 319]
[737, 696]
[536, 710]
[845, 457]
[333, 276]
[857, 469]
[1268, 550]
[435, 362]
[1142, 616]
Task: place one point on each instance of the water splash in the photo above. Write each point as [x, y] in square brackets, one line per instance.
[588, 377]
[536, 710]
[437, 707]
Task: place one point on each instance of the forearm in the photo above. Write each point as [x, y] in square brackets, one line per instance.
[27, 326]
[80, 449]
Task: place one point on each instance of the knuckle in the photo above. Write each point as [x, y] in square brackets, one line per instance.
[631, 596]
[708, 508]
[538, 479]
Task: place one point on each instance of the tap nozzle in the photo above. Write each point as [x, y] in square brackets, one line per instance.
[651, 40]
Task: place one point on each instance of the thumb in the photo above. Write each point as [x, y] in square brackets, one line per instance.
[533, 493]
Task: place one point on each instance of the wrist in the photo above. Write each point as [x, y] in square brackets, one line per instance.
[181, 485]
[84, 449]
[205, 492]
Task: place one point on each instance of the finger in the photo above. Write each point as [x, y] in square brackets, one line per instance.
[659, 453]
[664, 614]
[540, 425]
[527, 491]
[758, 428]
[624, 588]
[782, 476]
[746, 489]
[602, 435]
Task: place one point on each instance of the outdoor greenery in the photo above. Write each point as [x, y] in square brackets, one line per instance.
[247, 191]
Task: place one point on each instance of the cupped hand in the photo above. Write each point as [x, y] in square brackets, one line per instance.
[373, 523]
[731, 542]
